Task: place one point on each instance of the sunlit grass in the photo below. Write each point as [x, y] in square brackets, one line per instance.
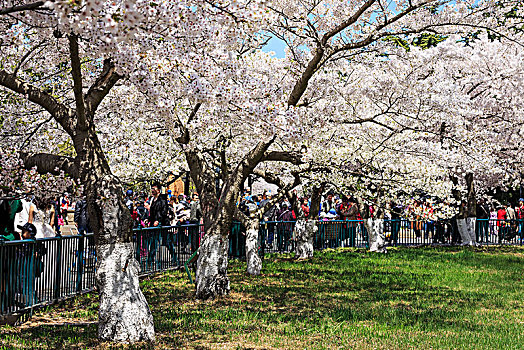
[423, 298]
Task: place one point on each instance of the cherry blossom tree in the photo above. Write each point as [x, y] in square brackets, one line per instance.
[46, 61]
[233, 109]
[241, 109]
[68, 58]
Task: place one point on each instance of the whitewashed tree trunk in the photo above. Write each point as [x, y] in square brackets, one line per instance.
[211, 275]
[377, 241]
[304, 234]
[124, 315]
[470, 224]
[254, 263]
[463, 229]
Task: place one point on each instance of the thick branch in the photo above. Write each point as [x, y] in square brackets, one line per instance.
[231, 188]
[240, 216]
[251, 160]
[101, 87]
[301, 85]
[62, 114]
[26, 7]
[279, 156]
[76, 72]
[316, 198]
[50, 163]
[276, 180]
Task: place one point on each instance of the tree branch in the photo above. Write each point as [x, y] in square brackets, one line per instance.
[302, 83]
[26, 7]
[76, 72]
[62, 114]
[184, 138]
[50, 163]
[279, 156]
[243, 218]
[347, 22]
[276, 180]
[251, 160]
[101, 87]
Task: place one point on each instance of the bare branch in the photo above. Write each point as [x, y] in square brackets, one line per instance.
[21, 8]
[29, 52]
[50, 163]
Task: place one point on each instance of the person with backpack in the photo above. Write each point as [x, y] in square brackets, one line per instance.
[142, 213]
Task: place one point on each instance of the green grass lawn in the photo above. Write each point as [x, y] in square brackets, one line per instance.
[426, 298]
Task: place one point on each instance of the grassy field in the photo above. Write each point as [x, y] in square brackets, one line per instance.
[426, 298]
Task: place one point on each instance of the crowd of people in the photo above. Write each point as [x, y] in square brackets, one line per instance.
[45, 216]
[425, 217]
[31, 218]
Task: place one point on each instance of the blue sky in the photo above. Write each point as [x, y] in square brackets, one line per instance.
[277, 46]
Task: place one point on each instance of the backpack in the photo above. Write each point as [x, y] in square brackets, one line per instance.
[142, 212]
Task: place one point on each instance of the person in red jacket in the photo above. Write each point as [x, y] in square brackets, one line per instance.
[305, 207]
[501, 216]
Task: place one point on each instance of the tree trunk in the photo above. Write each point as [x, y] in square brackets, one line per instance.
[375, 228]
[304, 234]
[254, 263]
[211, 275]
[466, 228]
[124, 314]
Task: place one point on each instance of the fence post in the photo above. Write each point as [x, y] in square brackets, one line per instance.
[32, 277]
[80, 263]
[58, 271]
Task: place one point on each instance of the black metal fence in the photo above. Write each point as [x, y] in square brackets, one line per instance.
[38, 272]
[34, 273]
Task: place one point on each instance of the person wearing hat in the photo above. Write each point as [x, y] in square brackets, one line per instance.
[28, 231]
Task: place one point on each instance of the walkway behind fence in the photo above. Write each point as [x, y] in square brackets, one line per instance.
[34, 273]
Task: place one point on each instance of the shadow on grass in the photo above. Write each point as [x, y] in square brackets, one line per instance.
[423, 289]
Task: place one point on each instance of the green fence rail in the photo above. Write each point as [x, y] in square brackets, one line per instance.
[34, 273]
